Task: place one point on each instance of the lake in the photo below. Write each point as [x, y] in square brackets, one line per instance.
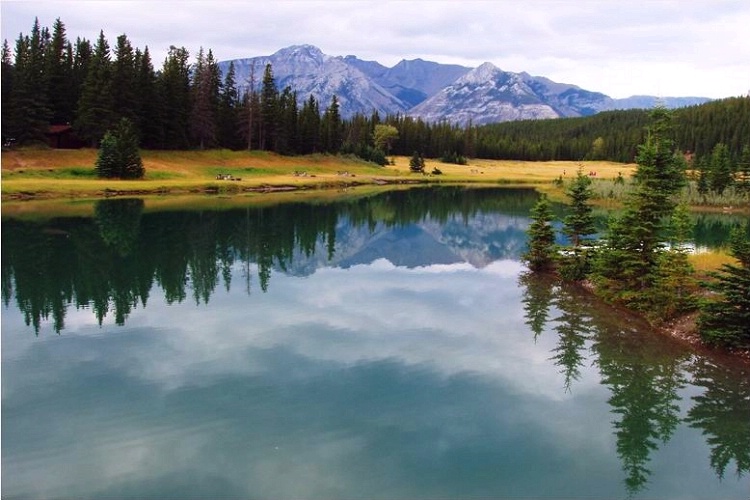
[381, 346]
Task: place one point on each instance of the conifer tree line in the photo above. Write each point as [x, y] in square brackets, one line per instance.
[47, 79]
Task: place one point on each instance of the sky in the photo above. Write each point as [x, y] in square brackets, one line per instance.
[663, 48]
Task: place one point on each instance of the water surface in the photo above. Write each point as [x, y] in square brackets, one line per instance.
[385, 347]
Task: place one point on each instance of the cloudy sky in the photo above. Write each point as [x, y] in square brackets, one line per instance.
[621, 48]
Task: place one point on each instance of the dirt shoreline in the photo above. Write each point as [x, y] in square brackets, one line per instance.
[684, 330]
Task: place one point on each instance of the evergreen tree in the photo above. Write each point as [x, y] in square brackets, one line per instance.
[726, 319]
[150, 112]
[95, 107]
[173, 86]
[332, 128]
[703, 175]
[416, 163]
[7, 73]
[83, 52]
[721, 169]
[309, 126]
[675, 284]
[626, 267]
[118, 155]
[29, 113]
[541, 253]
[287, 140]
[59, 70]
[124, 79]
[578, 224]
[269, 112]
[743, 168]
[107, 161]
[228, 118]
[205, 94]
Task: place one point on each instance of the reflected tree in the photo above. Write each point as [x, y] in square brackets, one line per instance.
[644, 381]
[574, 327]
[119, 222]
[722, 413]
[538, 294]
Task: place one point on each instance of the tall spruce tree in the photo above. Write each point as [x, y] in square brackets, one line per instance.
[332, 128]
[309, 126]
[577, 225]
[29, 112]
[721, 168]
[95, 107]
[269, 110]
[124, 81]
[59, 70]
[7, 73]
[228, 115]
[205, 94]
[725, 320]
[626, 267]
[150, 112]
[173, 86]
[541, 253]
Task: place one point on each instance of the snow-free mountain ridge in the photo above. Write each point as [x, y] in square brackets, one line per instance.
[429, 90]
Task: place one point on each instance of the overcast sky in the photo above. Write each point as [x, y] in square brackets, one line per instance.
[620, 48]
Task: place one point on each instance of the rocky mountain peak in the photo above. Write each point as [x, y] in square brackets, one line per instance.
[428, 90]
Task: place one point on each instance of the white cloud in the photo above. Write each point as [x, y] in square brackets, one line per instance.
[620, 48]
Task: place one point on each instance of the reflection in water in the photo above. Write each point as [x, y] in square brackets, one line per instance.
[722, 413]
[414, 360]
[111, 263]
[644, 380]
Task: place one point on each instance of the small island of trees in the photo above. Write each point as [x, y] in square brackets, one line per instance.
[641, 261]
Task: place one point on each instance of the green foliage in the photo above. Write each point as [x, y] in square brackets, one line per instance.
[454, 158]
[541, 253]
[49, 80]
[725, 319]
[416, 162]
[630, 266]
[384, 136]
[366, 152]
[721, 170]
[118, 155]
[577, 225]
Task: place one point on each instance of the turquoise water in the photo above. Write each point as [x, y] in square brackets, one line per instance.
[388, 347]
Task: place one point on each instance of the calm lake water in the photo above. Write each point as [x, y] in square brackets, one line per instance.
[384, 347]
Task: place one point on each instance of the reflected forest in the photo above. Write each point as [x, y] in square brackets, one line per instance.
[109, 263]
[644, 380]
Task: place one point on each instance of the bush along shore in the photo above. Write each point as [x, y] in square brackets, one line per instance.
[642, 262]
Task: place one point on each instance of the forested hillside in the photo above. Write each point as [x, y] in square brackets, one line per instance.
[52, 84]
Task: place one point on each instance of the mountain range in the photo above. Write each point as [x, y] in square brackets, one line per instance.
[430, 90]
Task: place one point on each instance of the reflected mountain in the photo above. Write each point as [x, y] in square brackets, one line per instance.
[111, 262]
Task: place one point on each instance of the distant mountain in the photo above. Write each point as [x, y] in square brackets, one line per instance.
[649, 101]
[430, 90]
[307, 70]
[414, 81]
[488, 94]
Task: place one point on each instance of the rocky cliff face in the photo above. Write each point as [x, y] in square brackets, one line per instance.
[429, 90]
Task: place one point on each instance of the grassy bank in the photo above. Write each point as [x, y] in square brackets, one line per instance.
[49, 173]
